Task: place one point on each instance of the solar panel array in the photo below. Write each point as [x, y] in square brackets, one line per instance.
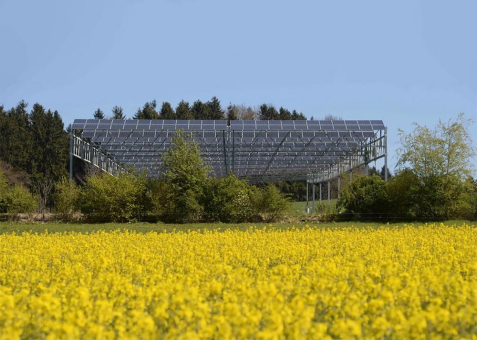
[256, 150]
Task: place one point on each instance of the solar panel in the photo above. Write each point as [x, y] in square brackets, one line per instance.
[261, 149]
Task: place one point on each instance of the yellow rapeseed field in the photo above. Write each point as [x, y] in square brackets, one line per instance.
[387, 282]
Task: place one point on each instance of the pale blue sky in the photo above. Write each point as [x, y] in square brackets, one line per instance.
[401, 62]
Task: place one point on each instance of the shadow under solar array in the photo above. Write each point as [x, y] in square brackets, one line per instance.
[254, 150]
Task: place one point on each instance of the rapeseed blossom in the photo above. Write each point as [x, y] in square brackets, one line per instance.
[387, 282]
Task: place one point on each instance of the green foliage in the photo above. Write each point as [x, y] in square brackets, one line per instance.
[185, 175]
[284, 114]
[20, 200]
[98, 114]
[3, 192]
[215, 110]
[167, 112]
[365, 198]
[66, 197]
[183, 111]
[271, 203]
[118, 113]
[200, 110]
[113, 198]
[403, 193]
[440, 161]
[148, 111]
[268, 112]
[229, 200]
[326, 213]
[50, 146]
[442, 151]
[15, 136]
[35, 143]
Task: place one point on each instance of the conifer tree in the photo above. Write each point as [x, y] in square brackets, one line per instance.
[200, 110]
[167, 112]
[118, 113]
[50, 151]
[284, 114]
[148, 111]
[215, 110]
[98, 114]
[183, 111]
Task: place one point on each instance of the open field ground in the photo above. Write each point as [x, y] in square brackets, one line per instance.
[394, 281]
[299, 207]
[54, 227]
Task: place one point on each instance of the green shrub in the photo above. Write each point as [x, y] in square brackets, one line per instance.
[403, 192]
[325, 213]
[228, 200]
[113, 198]
[20, 200]
[185, 178]
[365, 198]
[272, 204]
[66, 197]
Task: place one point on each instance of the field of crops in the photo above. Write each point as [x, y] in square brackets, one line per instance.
[397, 282]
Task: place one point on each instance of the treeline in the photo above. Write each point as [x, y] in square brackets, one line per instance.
[210, 110]
[35, 142]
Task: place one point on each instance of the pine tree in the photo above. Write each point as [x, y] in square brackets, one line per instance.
[167, 112]
[15, 137]
[98, 114]
[50, 151]
[200, 111]
[284, 114]
[183, 111]
[118, 113]
[215, 110]
[148, 111]
[268, 112]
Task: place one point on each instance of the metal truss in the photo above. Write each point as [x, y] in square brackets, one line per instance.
[258, 151]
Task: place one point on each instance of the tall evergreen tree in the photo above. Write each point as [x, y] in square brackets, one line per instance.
[148, 111]
[284, 114]
[200, 110]
[98, 114]
[215, 109]
[50, 151]
[15, 137]
[118, 113]
[183, 111]
[167, 112]
[268, 112]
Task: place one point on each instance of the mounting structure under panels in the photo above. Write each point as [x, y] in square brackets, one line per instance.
[257, 150]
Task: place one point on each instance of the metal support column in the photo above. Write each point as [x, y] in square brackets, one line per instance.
[233, 151]
[329, 194]
[71, 154]
[307, 197]
[91, 158]
[320, 192]
[339, 186]
[386, 154]
[313, 198]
